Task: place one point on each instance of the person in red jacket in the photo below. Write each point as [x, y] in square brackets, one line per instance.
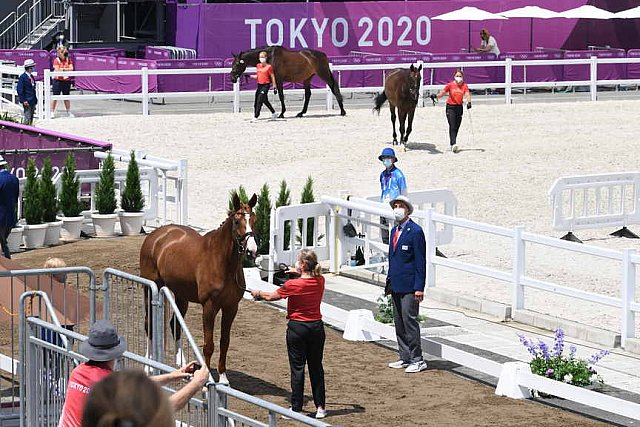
[265, 78]
[305, 330]
[457, 90]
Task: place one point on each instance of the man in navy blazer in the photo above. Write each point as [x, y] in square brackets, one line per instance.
[9, 190]
[407, 272]
[26, 89]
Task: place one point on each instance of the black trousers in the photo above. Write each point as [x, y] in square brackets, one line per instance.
[305, 344]
[262, 97]
[4, 235]
[454, 117]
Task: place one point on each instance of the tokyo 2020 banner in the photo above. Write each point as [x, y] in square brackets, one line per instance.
[217, 30]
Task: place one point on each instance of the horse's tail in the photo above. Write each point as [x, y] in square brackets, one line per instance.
[381, 98]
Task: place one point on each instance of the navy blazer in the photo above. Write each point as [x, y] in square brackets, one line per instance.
[9, 191]
[407, 264]
[26, 89]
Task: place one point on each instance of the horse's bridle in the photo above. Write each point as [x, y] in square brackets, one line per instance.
[241, 241]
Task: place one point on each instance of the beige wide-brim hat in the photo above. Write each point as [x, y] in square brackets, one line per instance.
[405, 200]
[29, 63]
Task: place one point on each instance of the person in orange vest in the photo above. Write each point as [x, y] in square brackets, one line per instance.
[265, 78]
[62, 84]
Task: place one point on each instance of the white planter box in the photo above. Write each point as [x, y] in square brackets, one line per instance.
[104, 225]
[14, 241]
[131, 223]
[52, 237]
[71, 227]
[34, 235]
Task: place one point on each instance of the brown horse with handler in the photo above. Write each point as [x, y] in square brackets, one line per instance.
[402, 89]
[204, 269]
[291, 66]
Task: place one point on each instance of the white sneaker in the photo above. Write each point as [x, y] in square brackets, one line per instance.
[253, 120]
[400, 364]
[70, 114]
[321, 413]
[455, 148]
[416, 367]
[284, 417]
[274, 116]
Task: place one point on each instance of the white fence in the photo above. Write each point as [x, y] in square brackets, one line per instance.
[9, 96]
[594, 201]
[508, 84]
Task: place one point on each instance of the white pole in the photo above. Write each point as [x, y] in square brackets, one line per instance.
[431, 249]
[145, 91]
[329, 95]
[518, 269]
[47, 94]
[184, 192]
[118, 21]
[628, 295]
[593, 66]
[41, 97]
[421, 64]
[236, 96]
[507, 81]
[272, 243]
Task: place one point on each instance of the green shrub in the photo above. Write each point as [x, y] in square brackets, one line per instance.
[284, 199]
[69, 203]
[8, 117]
[263, 218]
[132, 199]
[32, 207]
[307, 197]
[48, 194]
[105, 193]
[385, 311]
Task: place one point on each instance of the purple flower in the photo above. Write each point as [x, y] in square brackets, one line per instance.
[572, 350]
[596, 357]
[550, 372]
[544, 349]
[558, 343]
[531, 347]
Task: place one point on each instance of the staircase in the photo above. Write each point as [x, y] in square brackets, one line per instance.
[38, 37]
[31, 23]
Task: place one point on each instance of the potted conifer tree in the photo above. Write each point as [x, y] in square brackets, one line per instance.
[14, 241]
[34, 231]
[70, 205]
[104, 221]
[132, 200]
[49, 200]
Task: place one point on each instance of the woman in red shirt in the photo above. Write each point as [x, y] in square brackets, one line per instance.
[305, 330]
[457, 90]
[265, 77]
[62, 85]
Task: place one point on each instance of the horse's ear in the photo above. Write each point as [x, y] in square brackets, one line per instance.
[236, 201]
[420, 68]
[253, 200]
[412, 68]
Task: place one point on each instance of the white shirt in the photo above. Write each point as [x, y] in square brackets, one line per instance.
[492, 44]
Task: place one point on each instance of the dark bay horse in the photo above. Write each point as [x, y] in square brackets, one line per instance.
[402, 89]
[290, 66]
[204, 269]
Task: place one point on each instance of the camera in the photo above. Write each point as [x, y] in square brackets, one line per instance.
[193, 368]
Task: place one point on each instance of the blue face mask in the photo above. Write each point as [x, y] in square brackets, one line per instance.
[387, 162]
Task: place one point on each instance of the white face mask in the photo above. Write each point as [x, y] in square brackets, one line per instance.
[399, 213]
[387, 162]
[263, 59]
[458, 79]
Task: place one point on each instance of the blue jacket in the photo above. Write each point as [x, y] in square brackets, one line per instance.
[26, 89]
[9, 190]
[407, 264]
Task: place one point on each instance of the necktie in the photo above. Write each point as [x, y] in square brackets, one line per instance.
[395, 237]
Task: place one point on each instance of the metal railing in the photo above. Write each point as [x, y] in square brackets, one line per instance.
[29, 17]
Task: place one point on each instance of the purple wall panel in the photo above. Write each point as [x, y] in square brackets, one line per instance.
[191, 82]
[633, 70]
[154, 53]
[41, 57]
[538, 73]
[98, 84]
[605, 71]
[133, 84]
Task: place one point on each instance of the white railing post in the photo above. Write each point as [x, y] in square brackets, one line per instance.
[272, 243]
[431, 249]
[41, 97]
[183, 192]
[422, 101]
[593, 77]
[47, 94]
[236, 96]
[517, 301]
[334, 259]
[329, 95]
[507, 80]
[145, 91]
[628, 295]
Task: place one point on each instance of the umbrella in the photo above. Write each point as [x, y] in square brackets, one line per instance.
[587, 12]
[629, 13]
[530, 12]
[468, 13]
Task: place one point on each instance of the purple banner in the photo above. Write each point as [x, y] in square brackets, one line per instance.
[605, 71]
[93, 63]
[537, 73]
[633, 70]
[14, 136]
[192, 82]
[41, 58]
[133, 84]
[156, 53]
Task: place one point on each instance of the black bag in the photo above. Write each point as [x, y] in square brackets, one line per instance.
[349, 230]
[387, 287]
[360, 256]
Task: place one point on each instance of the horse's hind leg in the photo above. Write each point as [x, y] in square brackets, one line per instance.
[393, 122]
[307, 96]
[324, 72]
[228, 315]
[281, 97]
[410, 120]
[176, 330]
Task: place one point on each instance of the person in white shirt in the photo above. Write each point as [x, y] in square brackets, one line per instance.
[488, 43]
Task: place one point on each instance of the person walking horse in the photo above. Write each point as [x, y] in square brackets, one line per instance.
[265, 77]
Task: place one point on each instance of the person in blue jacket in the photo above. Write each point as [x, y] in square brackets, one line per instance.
[9, 190]
[407, 273]
[27, 92]
[392, 183]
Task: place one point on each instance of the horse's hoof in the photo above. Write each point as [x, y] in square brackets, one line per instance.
[299, 114]
[281, 116]
[395, 142]
[223, 379]
[343, 113]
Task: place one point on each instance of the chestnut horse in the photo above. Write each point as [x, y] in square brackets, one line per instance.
[402, 89]
[204, 269]
[290, 66]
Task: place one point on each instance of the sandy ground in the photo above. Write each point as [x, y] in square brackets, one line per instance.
[508, 162]
[361, 391]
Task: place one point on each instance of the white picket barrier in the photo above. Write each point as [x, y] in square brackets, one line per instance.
[595, 201]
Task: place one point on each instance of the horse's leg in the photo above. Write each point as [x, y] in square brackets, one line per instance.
[228, 315]
[183, 305]
[393, 122]
[307, 96]
[281, 96]
[402, 117]
[209, 313]
[410, 122]
[324, 72]
[148, 327]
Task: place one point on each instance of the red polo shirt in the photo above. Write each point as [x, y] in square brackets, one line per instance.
[305, 296]
[456, 92]
[264, 72]
[81, 380]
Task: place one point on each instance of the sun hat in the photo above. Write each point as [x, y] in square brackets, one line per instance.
[405, 200]
[2, 161]
[29, 63]
[388, 152]
[104, 343]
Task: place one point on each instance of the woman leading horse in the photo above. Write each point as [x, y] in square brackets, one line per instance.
[290, 66]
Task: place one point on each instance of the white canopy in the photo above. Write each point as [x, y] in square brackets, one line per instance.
[530, 12]
[587, 12]
[629, 13]
[468, 13]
